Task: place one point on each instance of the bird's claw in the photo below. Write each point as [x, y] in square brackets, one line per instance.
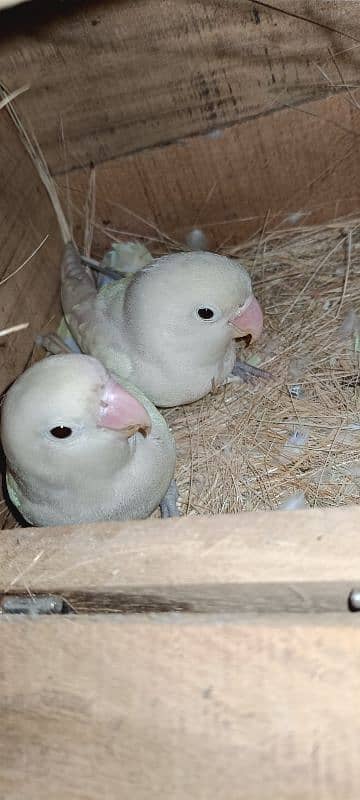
[248, 373]
[168, 505]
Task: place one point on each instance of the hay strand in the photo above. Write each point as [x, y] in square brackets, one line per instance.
[33, 149]
[10, 97]
[24, 263]
[14, 328]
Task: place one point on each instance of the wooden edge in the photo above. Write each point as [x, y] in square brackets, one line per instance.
[272, 561]
[94, 623]
[93, 708]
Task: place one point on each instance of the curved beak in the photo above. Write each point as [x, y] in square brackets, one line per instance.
[249, 321]
[120, 411]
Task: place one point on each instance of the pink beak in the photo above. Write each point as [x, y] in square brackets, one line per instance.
[120, 411]
[250, 320]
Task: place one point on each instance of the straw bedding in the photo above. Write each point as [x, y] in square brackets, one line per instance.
[296, 438]
[255, 447]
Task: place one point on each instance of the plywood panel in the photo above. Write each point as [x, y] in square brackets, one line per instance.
[295, 165]
[162, 708]
[285, 561]
[125, 75]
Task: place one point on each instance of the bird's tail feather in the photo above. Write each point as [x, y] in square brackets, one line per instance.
[78, 294]
[77, 282]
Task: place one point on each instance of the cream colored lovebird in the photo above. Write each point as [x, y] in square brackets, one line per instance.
[169, 328]
[80, 447]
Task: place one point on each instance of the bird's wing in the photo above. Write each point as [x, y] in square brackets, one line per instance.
[127, 258]
[65, 334]
[86, 313]
[13, 491]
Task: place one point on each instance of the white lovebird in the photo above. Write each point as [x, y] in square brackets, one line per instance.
[80, 447]
[169, 328]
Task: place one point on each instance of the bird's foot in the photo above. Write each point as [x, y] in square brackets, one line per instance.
[247, 373]
[53, 343]
[168, 505]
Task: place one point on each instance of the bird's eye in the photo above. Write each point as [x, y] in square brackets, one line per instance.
[61, 432]
[205, 313]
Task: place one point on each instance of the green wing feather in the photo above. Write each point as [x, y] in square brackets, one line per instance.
[12, 488]
[90, 314]
[127, 257]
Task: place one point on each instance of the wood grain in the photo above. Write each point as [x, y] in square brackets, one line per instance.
[26, 218]
[168, 708]
[292, 166]
[264, 562]
[123, 75]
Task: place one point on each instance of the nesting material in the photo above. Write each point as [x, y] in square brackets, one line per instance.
[252, 447]
[292, 442]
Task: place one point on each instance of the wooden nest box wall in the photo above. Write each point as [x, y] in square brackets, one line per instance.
[233, 668]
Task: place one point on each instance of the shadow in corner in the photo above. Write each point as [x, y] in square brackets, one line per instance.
[11, 508]
[28, 18]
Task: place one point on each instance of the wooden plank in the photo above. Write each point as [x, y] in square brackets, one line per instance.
[169, 708]
[127, 75]
[265, 562]
[27, 218]
[295, 165]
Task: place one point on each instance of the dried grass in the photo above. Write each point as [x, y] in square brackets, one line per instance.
[235, 450]
[14, 329]
[251, 447]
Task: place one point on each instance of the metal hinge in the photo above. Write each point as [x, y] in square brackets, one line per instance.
[34, 605]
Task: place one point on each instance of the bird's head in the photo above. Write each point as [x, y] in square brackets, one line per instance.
[194, 300]
[66, 415]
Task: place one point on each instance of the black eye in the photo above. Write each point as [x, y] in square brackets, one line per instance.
[61, 432]
[205, 313]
